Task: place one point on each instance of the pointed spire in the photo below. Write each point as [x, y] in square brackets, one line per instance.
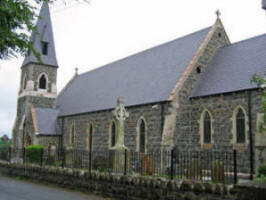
[43, 40]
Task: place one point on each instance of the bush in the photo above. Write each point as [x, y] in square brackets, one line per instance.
[34, 154]
[262, 171]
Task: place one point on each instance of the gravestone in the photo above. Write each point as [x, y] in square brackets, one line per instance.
[260, 142]
[217, 172]
[147, 165]
[194, 170]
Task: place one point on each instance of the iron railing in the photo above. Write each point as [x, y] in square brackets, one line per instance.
[215, 166]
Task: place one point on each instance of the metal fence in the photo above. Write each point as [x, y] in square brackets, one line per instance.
[220, 166]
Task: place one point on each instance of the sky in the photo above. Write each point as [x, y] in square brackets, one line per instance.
[88, 36]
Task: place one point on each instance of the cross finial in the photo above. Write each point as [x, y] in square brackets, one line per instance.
[76, 71]
[218, 13]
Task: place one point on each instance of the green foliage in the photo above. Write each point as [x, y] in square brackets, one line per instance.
[261, 82]
[17, 19]
[8, 144]
[261, 179]
[102, 169]
[262, 171]
[34, 154]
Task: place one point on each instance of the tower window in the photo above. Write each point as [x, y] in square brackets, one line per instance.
[44, 48]
[42, 82]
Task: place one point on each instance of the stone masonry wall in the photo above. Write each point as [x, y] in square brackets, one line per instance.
[221, 107]
[45, 141]
[132, 188]
[101, 121]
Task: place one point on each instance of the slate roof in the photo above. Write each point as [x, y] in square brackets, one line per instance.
[146, 77]
[47, 121]
[233, 66]
[45, 34]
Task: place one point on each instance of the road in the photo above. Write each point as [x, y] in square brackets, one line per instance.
[11, 189]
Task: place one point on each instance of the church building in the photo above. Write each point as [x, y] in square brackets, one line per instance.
[192, 93]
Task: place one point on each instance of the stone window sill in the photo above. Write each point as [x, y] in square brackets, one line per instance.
[206, 146]
[240, 146]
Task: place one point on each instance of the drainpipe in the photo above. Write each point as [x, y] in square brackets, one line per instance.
[250, 137]
[61, 136]
[162, 118]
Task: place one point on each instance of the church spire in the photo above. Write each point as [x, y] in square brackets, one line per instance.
[43, 40]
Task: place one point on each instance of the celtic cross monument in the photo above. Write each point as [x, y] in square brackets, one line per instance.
[119, 150]
[120, 114]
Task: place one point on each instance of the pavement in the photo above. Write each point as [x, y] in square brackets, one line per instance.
[12, 189]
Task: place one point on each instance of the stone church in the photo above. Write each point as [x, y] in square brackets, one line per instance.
[191, 93]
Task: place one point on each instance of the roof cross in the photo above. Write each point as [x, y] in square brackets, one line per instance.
[218, 13]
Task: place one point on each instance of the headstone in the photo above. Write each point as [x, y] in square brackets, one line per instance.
[260, 142]
[217, 172]
[147, 165]
[194, 170]
[119, 150]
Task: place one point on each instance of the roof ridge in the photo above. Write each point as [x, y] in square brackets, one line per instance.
[146, 50]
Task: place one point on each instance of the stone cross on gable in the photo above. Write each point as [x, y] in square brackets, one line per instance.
[120, 114]
[218, 13]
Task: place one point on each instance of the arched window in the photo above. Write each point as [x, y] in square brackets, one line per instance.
[113, 134]
[240, 126]
[89, 138]
[42, 82]
[72, 135]
[207, 128]
[142, 139]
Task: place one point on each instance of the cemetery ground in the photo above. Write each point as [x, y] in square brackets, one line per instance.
[14, 189]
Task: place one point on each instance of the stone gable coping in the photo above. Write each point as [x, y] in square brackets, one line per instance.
[194, 60]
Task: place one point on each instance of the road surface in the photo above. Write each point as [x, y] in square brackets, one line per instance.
[11, 189]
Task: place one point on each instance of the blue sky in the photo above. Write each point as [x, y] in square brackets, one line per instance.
[89, 36]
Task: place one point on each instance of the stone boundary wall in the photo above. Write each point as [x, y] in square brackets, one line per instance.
[131, 188]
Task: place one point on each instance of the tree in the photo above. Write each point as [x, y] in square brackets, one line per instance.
[262, 83]
[17, 19]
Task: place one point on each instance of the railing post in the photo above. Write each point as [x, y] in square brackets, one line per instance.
[125, 163]
[172, 164]
[41, 159]
[24, 155]
[235, 166]
[90, 164]
[9, 154]
[62, 158]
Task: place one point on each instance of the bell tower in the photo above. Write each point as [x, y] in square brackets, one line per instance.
[38, 76]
